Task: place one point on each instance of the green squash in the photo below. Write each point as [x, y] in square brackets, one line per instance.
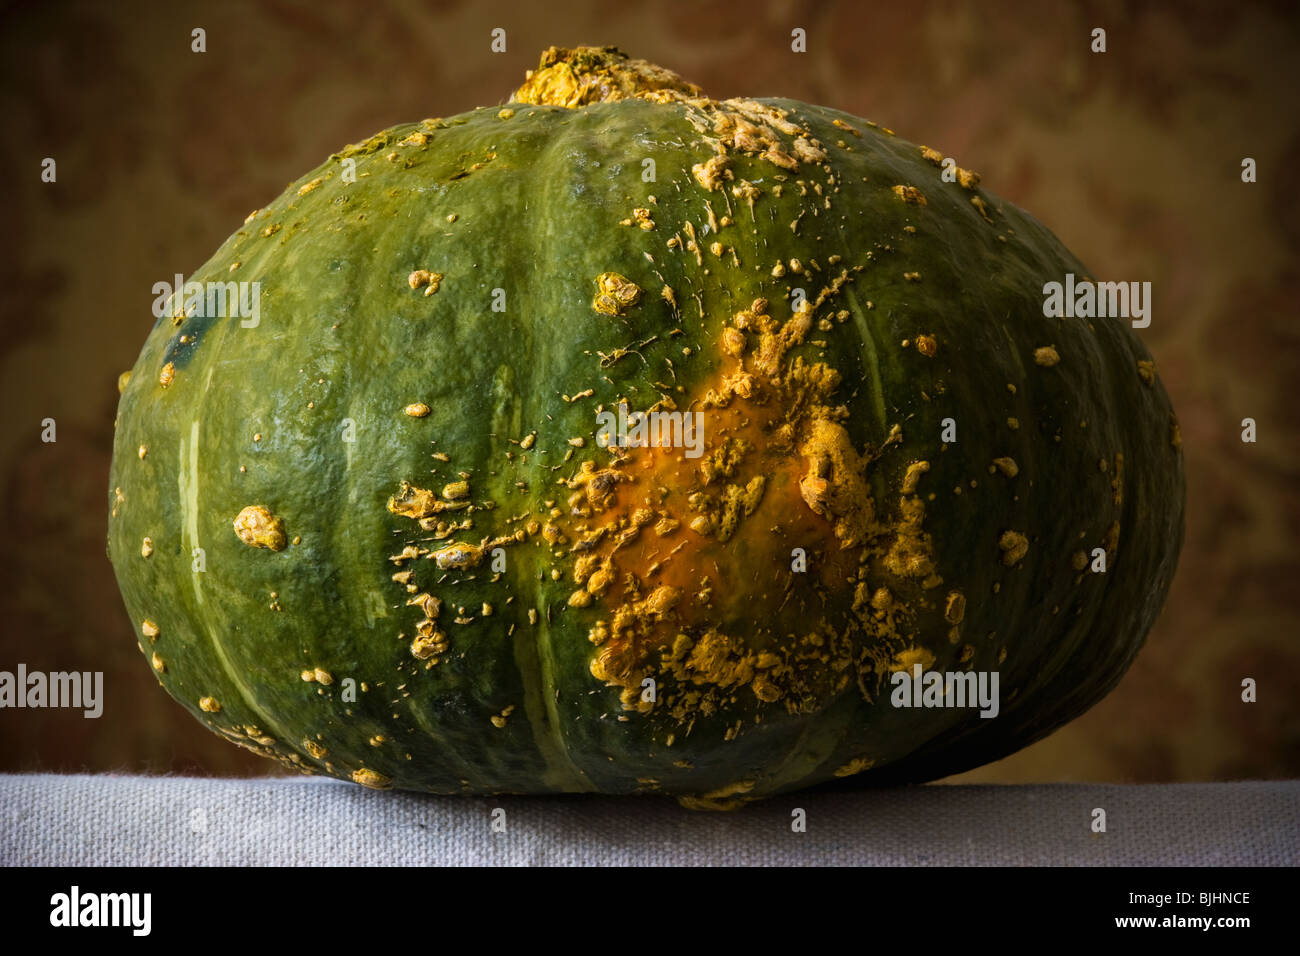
[384, 526]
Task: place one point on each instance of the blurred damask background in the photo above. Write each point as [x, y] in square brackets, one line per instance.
[1133, 157]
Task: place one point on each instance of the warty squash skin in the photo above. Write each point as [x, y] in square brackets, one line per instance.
[374, 535]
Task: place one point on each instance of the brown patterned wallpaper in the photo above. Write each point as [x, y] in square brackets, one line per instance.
[1133, 157]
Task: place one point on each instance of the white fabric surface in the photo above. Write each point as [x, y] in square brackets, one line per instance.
[55, 820]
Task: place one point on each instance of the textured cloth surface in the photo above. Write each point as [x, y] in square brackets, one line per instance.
[126, 821]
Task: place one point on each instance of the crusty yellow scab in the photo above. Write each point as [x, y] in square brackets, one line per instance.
[1014, 546]
[316, 750]
[733, 341]
[372, 779]
[424, 506]
[429, 646]
[417, 410]
[774, 340]
[413, 502]
[703, 524]
[258, 528]
[615, 294]
[584, 75]
[855, 766]
[1147, 371]
[756, 129]
[729, 797]
[965, 177]
[1006, 465]
[911, 554]
[1110, 542]
[459, 556]
[167, 374]
[909, 194]
[955, 608]
[641, 218]
[834, 485]
[252, 738]
[737, 502]
[713, 172]
[149, 629]
[909, 657]
[1047, 356]
[747, 192]
[146, 547]
[429, 642]
[912, 477]
[807, 151]
[576, 78]
[430, 281]
[209, 705]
